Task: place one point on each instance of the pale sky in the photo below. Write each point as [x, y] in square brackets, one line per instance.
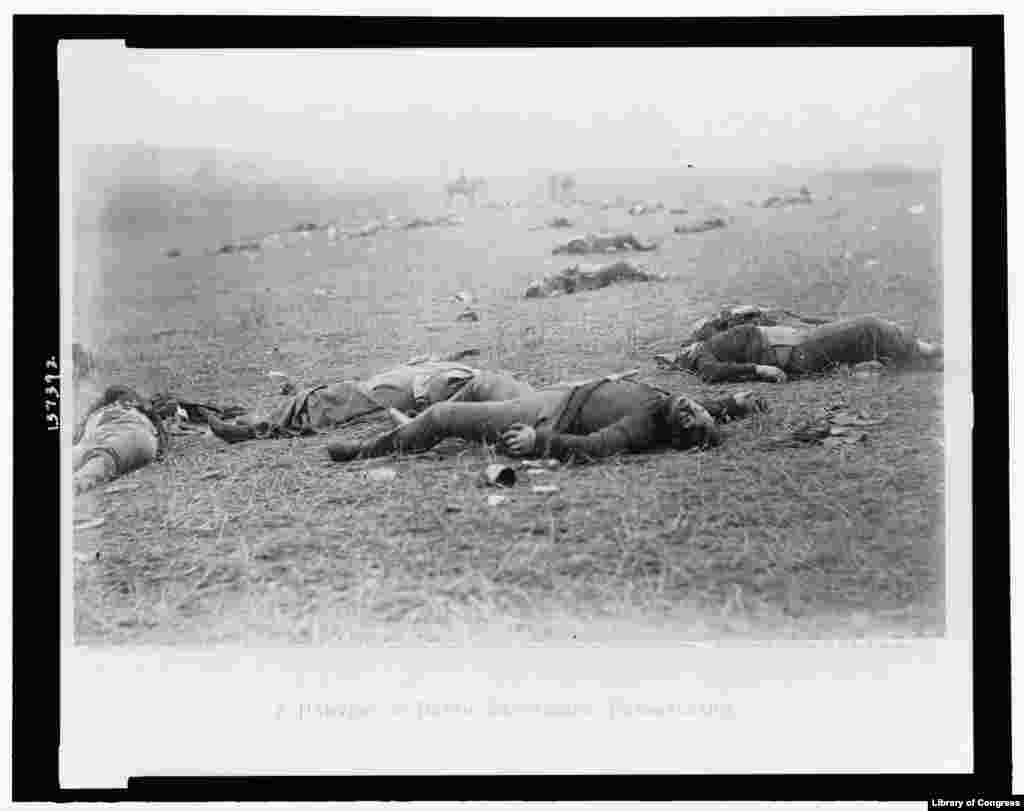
[504, 111]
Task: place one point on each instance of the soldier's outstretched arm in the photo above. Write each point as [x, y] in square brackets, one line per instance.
[734, 406]
[712, 370]
[630, 434]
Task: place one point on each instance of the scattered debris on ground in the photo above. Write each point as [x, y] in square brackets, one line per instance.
[832, 426]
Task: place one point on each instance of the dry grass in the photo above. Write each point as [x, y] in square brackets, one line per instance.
[270, 541]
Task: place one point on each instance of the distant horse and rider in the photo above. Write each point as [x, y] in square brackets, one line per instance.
[469, 189]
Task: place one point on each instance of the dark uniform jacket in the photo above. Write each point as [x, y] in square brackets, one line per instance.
[608, 417]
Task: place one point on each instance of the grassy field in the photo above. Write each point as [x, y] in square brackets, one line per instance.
[269, 541]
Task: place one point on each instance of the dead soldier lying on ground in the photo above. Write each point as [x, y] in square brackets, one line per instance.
[120, 432]
[577, 278]
[590, 420]
[604, 243]
[749, 351]
[405, 389]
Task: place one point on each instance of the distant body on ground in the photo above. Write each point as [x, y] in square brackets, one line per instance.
[604, 243]
[577, 278]
[803, 198]
[699, 226]
[118, 433]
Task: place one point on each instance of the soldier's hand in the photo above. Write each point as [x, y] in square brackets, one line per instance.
[771, 373]
[519, 439]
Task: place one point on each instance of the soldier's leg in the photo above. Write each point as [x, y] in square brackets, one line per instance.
[309, 410]
[852, 341]
[343, 402]
[887, 340]
[131, 444]
[479, 422]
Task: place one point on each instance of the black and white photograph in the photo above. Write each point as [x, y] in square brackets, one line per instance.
[577, 353]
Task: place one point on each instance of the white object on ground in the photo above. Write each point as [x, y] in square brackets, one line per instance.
[382, 474]
[121, 488]
[541, 463]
